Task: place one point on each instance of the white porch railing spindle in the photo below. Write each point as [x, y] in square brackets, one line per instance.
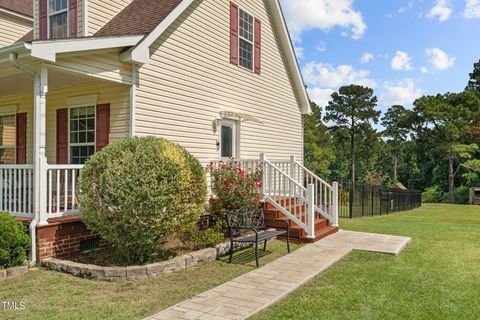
[15, 189]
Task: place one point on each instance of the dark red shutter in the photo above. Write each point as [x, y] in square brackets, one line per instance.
[233, 33]
[21, 138]
[43, 25]
[103, 126]
[62, 136]
[258, 45]
[72, 18]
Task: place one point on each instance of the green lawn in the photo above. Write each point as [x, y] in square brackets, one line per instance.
[53, 295]
[437, 277]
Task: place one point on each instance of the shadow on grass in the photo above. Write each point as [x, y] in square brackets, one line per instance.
[246, 256]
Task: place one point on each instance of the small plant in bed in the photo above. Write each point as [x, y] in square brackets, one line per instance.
[137, 192]
[14, 241]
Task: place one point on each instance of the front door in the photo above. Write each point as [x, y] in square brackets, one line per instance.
[228, 139]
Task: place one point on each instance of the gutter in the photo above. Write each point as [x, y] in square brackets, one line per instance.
[12, 57]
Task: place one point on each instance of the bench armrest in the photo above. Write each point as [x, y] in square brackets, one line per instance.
[287, 223]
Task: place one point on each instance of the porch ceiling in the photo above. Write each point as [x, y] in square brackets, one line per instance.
[14, 81]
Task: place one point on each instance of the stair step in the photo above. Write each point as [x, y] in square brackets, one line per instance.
[319, 234]
[319, 223]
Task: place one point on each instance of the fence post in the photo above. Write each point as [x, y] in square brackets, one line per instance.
[335, 204]
[350, 199]
[310, 211]
[263, 157]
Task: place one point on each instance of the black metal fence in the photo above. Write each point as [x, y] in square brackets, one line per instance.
[369, 200]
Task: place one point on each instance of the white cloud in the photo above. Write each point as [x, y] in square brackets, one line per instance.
[472, 9]
[439, 59]
[320, 96]
[304, 15]
[299, 52]
[326, 75]
[366, 58]
[321, 47]
[401, 62]
[403, 93]
[424, 70]
[442, 10]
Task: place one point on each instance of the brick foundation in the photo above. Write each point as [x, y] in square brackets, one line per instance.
[62, 239]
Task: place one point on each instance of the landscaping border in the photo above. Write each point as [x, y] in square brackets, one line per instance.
[176, 264]
[12, 272]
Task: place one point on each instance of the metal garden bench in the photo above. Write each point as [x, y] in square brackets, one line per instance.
[248, 226]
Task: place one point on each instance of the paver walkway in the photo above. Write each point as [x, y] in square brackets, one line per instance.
[260, 288]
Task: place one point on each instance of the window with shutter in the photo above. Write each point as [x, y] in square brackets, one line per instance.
[245, 39]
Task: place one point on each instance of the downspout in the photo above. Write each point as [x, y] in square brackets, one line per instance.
[12, 57]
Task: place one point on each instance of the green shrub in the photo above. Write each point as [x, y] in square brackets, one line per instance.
[234, 187]
[14, 241]
[462, 195]
[208, 238]
[434, 195]
[138, 191]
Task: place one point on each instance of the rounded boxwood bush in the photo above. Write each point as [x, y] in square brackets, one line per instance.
[138, 191]
[14, 241]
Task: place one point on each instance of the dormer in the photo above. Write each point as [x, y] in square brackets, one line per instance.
[59, 19]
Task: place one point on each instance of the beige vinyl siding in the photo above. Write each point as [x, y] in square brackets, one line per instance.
[190, 80]
[117, 95]
[100, 12]
[36, 18]
[12, 29]
[106, 66]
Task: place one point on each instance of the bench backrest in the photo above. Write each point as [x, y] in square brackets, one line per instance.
[245, 219]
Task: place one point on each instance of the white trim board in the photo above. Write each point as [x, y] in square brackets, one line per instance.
[141, 53]
[16, 14]
[48, 50]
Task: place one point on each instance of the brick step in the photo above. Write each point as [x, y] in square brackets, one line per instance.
[283, 202]
[319, 234]
[319, 223]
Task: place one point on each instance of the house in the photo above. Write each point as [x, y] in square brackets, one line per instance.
[218, 77]
[16, 20]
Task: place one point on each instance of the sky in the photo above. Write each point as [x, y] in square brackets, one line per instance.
[403, 49]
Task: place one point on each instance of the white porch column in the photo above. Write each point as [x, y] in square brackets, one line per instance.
[39, 157]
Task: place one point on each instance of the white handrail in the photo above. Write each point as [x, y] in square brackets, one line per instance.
[325, 195]
[288, 196]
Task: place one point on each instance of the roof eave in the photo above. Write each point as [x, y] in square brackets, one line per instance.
[21, 49]
[16, 14]
[292, 60]
[48, 50]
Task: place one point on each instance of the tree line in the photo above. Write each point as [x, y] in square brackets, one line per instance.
[433, 147]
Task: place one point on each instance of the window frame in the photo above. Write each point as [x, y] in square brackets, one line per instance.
[235, 137]
[14, 146]
[242, 38]
[49, 15]
[81, 144]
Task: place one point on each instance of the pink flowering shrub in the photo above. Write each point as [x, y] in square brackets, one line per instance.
[234, 187]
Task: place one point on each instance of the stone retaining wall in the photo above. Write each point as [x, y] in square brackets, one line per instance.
[176, 264]
[91, 271]
[12, 272]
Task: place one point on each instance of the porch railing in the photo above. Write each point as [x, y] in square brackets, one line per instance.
[62, 189]
[16, 189]
[296, 191]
